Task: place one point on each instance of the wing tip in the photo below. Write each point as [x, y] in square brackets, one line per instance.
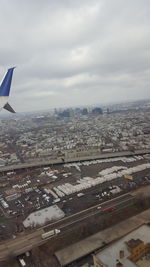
[9, 108]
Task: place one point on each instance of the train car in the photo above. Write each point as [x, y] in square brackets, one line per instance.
[109, 209]
[50, 233]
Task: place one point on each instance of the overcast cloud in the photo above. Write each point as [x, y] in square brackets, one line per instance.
[71, 52]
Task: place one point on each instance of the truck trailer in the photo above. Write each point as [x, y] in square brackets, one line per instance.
[22, 262]
[50, 233]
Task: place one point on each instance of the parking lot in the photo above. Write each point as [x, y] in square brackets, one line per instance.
[27, 191]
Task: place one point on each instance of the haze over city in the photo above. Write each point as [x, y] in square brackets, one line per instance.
[75, 133]
[71, 53]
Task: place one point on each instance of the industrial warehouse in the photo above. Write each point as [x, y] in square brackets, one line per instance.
[64, 198]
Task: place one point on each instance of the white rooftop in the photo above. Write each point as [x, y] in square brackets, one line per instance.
[110, 254]
[40, 217]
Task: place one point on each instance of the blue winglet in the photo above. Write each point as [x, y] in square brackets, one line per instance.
[6, 83]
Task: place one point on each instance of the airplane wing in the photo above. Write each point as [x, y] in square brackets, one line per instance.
[5, 90]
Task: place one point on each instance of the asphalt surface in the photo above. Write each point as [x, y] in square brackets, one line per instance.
[26, 242]
[84, 247]
[118, 202]
[69, 160]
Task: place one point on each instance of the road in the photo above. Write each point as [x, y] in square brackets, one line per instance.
[82, 215]
[26, 241]
[69, 160]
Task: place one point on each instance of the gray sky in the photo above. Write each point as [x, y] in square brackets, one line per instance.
[75, 52]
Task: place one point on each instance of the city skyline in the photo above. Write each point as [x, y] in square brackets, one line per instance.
[73, 53]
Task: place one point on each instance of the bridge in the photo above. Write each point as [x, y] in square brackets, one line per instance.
[61, 160]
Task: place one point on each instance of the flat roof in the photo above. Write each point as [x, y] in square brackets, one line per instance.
[110, 254]
[94, 242]
[144, 262]
[40, 217]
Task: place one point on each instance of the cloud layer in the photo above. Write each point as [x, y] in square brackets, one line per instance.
[72, 53]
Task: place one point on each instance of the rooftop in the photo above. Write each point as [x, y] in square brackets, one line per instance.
[110, 255]
[133, 243]
[51, 213]
[94, 242]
